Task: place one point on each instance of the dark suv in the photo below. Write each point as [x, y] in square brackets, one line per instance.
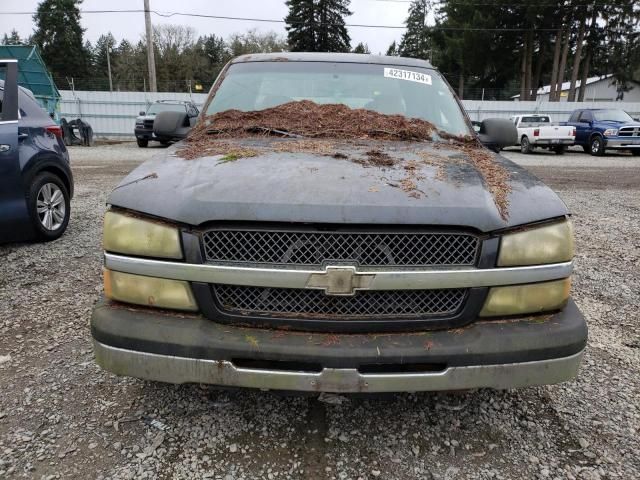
[36, 183]
[144, 123]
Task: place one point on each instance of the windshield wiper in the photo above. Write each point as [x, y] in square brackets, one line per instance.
[273, 131]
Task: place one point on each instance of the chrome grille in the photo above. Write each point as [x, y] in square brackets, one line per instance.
[304, 303]
[315, 248]
[629, 132]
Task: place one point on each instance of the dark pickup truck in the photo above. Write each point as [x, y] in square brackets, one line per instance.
[598, 130]
[145, 122]
[332, 223]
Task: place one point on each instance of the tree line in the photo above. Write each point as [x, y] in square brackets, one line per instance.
[521, 45]
[505, 47]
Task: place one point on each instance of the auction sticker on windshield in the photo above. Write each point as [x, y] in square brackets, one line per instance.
[407, 75]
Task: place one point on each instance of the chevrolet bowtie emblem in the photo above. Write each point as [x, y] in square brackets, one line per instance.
[340, 280]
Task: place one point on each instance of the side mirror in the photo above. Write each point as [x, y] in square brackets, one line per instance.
[142, 113]
[171, 125]
[497, 133]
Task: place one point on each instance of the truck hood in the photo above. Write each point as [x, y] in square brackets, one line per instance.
[614, 124]
[319, 188]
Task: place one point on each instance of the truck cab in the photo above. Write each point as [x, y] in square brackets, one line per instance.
[598, 130]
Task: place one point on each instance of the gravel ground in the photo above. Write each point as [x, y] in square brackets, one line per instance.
[62, 417]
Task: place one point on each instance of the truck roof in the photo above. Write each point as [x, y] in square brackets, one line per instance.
[332, 57]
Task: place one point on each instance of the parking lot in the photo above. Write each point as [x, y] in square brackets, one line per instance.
[62, 417]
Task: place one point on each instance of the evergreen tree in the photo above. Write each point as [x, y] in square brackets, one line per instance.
[392, 51]
[12, 39]
[415, 41]
[215, 49]
[99, 64]
[301, 25]
[58, 35]
[361, 48]
[129, 66]
[332, 32]
[318, 25]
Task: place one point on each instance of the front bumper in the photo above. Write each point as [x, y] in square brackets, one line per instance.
[628, 143]
[177, 348]
[144, 134]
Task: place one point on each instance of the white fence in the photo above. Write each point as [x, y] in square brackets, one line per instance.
[112, 114]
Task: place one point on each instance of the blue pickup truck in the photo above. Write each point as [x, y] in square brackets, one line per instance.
[598, 130]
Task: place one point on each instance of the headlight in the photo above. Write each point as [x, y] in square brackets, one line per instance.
[530, 298]
[610, 132]
[536, 246]
[136, 236]
[149, 291]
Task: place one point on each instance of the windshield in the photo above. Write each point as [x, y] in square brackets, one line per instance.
[535, 119]
[612, 115]
[166, 107]
[410, 91]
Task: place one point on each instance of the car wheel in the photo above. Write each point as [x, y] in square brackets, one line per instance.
[142, 143]
[559, 150]
[49, 206]
[525, 145]
[597, 146]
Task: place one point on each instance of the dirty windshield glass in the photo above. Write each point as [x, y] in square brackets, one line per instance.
[166, 107]
[410, 91]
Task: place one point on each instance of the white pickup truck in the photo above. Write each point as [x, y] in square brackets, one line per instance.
[538, 131]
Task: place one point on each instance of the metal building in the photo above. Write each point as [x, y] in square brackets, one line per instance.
[598, 89]
[33, 74]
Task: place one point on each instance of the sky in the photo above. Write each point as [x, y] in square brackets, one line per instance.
[131, 25]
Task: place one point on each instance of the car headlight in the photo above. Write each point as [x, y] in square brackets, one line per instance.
[610, 132]
[136, 236]
[535, 246]
[529, 298]
[149, 291]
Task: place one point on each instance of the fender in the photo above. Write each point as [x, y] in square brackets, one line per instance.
[47, 161]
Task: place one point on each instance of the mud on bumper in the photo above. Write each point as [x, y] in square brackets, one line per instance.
[178, 348]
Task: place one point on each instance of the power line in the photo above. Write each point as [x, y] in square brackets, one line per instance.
[267, 20]
[279, 21]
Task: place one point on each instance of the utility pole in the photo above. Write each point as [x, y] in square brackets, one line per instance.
[109, 67]
[153, 87]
